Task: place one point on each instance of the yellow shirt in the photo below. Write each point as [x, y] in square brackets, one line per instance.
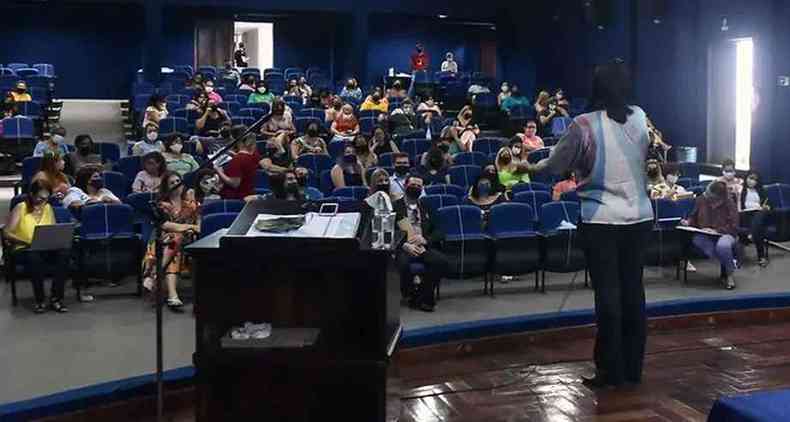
[382, 106]
[21, 98]
[28, 222]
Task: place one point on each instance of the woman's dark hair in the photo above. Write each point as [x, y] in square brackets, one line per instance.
[277, 183]
[727, 163]
[611, 90]
[171, 139]
[718, 188]
[35, 187]
[159, 158]
[155, 100]
[756, 175]
[49, 165]
[484, 176]
[202, 174]
[262, 83]
[84, 176]
[164, 187]
[82, 138]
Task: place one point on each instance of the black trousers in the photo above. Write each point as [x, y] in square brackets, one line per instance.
[759, 220]
[435, 264]
[615, 258]
[37, 265]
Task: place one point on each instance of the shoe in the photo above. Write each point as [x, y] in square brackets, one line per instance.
[729, 282]
[39, 308]
[58, 307]
[426, 307]
[86, 298]
[763, 262]
[175, 304]
[690, 267]
[597, 382]
[507, 278]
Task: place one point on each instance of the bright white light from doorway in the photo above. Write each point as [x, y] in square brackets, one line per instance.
[744, 93]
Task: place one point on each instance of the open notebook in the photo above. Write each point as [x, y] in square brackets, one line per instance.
[334, 226]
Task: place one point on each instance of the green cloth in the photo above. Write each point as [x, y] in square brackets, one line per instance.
[511, 102]
[256, 98]
[182, 165]
[508, 179]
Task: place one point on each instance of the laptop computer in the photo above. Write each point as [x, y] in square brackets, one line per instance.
[52, 237]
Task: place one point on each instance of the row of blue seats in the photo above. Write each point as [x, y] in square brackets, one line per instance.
[23, 70]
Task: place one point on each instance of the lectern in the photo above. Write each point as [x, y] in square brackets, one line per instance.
[342, 288]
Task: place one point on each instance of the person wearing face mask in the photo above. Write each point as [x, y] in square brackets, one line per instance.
[449, 64]
[345, 126]
[422, 245]
[561, 101]
[150, 177]
[397, 90]
[20, 94]
[351, 90]
[716, 212]
[285, 187]
[181, 227]
[348, 171]
[397, 181]
[504, 92]
[375, 102]
[734, 183]
[261, 95]
[238, 176]
[381, 142]
[366, 158]
[177, 160]
[51, 173]
[310, 143]
[331, 112]
[156, 110]
[755, 210]
[654, 176]
[150, 143]
[403, 119]
[669, 188]
[89, 189]
[276, 158]
[434, 172]
[515, 99]
[484, 195]
[54, 142]
[280, 126]
[207, 186]
[212, 120]
[84, 155]
[530, 137]
[213, 96]
[509, 171]
[34, 211]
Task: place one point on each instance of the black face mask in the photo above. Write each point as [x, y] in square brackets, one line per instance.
[312, 132]
[302, 181]
[383, 187]
[444, 148]
[413, 192]
[84, 149]
[401, 170]
[436, 162]
[291, 188]
[224, 133]
[652, 171]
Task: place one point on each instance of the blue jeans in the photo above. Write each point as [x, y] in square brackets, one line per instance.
[721, 248]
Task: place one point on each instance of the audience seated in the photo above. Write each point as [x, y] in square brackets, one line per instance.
[310, 143]
[207, 186]
[352, 90]
[754, 201]
[211, 121]
[530, 136]
[547, 109]
[449, 64]
[504, 92]
[180, 228]
[345, 126]
[451, 136]
[397, 90]
[428, 109]
[422, 247]
[305, 91]
[716, 212]
[397, 181]
[151, 142]
[276, 158]
[515, 99]
[261, 95]
[381, 143]
[156, 110]
[280, 126]
[508, 171]
[567, 184]
[562, 103]
[654, 176]
[286, 187]
[376, 102]
[213, 96]
[53, 142]
[333, 110]
[33, 211]
[19, 94]
[403, 119]
[466, 115]
[669, 188]
[365, 156]
[247, 83]
[177, 160]
[52, 175]
[89, 189]
[150, 177]
[198, 102]
[84, 155]
[348, 171]
[517, 151]
[230, 74]
[483, 194]
[238, 179]
[734, 183]
[658, 148]
[293, 89]
[196, 82]
[435, 169]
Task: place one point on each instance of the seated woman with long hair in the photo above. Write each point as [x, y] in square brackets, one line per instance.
[348, 171]
[181, 228]
[509, 172]
[34, 211]
[51, 173]
[484, 194]
[88, 190]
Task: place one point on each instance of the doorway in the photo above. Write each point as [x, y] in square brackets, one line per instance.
[258, 39]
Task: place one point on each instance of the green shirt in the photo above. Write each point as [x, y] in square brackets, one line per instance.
[256, 98]
[508, 179]
[182, 165]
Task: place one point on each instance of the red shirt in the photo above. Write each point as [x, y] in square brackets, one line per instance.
[419, 61]
[243, 166]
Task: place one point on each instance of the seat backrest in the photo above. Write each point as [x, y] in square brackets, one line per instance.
[301, 123]
[511, 217]
[355, 192]
[415, 147]
[446, 189]
[464, 176]
[552, 214]
[109, 151]
[386, 159]
[117, 183]
[538, 154]
[106, 220]
[316, 163]
[18, 127]
[17, 66]
[30, 166]
[367, 124]
[433, 202]
[687, 182]
[778, 195]
[26, 72]
[530, 187]
[474, 158]
[335, 148]
[261, 179]
[690, 170]
[222, 206]
[253, 112]
[570, 196]
[460, 220]
[210, 223]
[559, 125]
[487, 146]
[534, 198]
[130, 166]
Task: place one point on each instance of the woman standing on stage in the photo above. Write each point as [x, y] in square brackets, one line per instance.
[606, 149]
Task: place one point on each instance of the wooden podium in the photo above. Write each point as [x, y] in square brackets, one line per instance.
[341, 287]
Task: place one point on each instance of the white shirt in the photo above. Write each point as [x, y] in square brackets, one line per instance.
[397, 186]
[450, 66]
[76, 194]
[752, 199]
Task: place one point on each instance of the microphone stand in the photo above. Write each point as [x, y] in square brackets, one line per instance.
[159, 217]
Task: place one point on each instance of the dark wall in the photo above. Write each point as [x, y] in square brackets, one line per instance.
[94, 49]
[304, 41]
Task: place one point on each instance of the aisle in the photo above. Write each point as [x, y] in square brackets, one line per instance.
[99, 118]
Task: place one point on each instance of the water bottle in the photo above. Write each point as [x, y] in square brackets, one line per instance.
[383, 229]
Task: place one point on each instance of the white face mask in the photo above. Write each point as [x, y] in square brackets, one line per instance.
[516, 151]
[152, 136]
[751, 182]
[209, 89]
[176, 148]
[728, 174]
[209, 184]
[261, 90]
[672, 179]
[57, 139]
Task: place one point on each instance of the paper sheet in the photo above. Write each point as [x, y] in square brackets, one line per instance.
[337, 226]
[696, 230]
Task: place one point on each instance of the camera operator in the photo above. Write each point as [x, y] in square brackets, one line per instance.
[211, 121]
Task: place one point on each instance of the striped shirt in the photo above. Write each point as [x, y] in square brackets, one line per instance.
[608, 159]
